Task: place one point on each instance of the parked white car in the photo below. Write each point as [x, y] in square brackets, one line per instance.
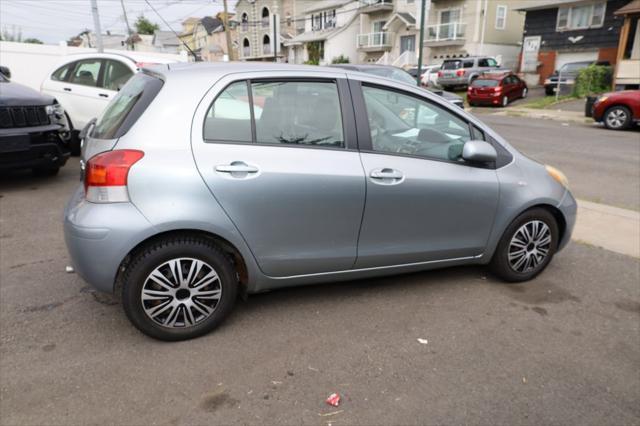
[429, 77]
[84, 84]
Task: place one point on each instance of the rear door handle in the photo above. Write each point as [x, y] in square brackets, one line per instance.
[236, 167]
[66, 89]
[104, 95]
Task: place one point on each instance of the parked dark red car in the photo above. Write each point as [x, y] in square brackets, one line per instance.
[617, 110]
[496, 89]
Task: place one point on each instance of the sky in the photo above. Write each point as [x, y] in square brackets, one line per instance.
[53, 21]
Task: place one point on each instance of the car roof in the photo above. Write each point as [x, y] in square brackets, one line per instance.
[132, 56]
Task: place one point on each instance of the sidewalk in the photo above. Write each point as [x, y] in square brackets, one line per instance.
[611, 228]
[546, 114]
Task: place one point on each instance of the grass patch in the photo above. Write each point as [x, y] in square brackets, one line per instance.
[547, 101]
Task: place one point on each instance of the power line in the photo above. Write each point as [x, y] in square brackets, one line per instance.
[195, 57]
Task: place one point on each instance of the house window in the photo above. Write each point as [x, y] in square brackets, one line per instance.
[501, 17]
[581, 17]
[265, 17]
[266, 45]
[244, 25]
[246, 48]
[323, 20]
[316, 22]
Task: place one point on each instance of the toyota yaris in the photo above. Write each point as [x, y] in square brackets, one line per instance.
[205, 180]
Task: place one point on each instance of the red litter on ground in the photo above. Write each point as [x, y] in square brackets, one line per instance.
[334, 399]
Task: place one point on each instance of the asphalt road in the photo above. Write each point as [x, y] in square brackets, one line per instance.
[602, 165]
[562, 349]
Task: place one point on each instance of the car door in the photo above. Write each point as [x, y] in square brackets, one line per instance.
[287, 171]
[423, 203]
[85, 99]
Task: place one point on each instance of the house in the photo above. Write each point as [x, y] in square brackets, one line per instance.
[627, 75]
[557, 32]
[206, 38]
[387, 31]
[330, 30]
[257, 37]
[166, 42]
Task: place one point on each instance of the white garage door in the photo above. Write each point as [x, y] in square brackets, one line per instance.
[564, 58]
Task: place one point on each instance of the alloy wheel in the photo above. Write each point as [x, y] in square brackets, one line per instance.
[616, 118]
[524, 92]
[529, 246]
[505, 101]
[181, 293]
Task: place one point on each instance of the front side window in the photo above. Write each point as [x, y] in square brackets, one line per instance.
[116, 74]
[298, 113]
[86, 72]
[405, 124]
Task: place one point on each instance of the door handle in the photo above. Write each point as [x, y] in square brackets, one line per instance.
[66, 89]
[104, 95]
[236, 167]
[386, 174]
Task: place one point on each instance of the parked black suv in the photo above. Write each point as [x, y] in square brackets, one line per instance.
[34, 132]
[567, 75]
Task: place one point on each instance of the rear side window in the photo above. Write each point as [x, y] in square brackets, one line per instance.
[468, 64]
[127, 106]
[62, 73]
[229, 118]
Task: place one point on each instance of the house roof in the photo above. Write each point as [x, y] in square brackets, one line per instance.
[312, 36]
[633, 7]
[547, 4]
[211, 24]
[405, 17]
[326, 4]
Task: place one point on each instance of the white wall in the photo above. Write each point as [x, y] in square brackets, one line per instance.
[31, 63]
[343, 43]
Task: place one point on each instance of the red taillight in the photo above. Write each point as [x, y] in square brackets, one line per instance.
[110, 168]
[460, 73]
[440, 73]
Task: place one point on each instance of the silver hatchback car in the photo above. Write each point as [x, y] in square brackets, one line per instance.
[203, 181]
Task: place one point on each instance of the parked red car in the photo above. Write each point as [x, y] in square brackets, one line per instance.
[496, 89]
[617, 110]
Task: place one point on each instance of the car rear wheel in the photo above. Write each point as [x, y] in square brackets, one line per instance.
[527, 246]
[525, 91]
[179, 288]
[617, 118]
[505, 101]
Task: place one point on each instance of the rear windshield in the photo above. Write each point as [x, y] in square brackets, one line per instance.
[127, 106]
[451, 65]
[485, 83]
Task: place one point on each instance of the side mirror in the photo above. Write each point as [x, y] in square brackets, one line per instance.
[479, 152]
[5, 71]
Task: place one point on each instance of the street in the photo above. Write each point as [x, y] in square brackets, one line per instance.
[561, 349]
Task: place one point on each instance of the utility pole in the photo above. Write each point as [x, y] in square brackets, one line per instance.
[96, 24]
[421, 41]
[275, 38]
[126, 21]
[484, 25]
[227, 31]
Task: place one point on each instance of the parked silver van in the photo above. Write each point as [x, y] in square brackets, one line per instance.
[205, 180]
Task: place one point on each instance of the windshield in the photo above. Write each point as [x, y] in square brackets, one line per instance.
[485, 83]
[127, 106]
[575, 66]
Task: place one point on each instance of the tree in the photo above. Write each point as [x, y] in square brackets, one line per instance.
[32, 41]
[144, 26]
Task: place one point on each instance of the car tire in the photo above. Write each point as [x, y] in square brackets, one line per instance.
[617, 118]
[179, 306]
[505, 101]
[525, 92]
[46, 171]
[549, 91]
[517, 259]
[74, 138]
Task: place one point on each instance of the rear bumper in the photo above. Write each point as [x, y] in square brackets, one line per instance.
[99, 237]
[40, 149]
[485, 100]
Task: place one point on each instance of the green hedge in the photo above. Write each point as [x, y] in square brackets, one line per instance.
[340, 60]
[592, 80]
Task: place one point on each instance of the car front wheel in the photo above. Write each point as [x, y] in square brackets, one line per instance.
[617, 118]
[527, 246]
[179, 288]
